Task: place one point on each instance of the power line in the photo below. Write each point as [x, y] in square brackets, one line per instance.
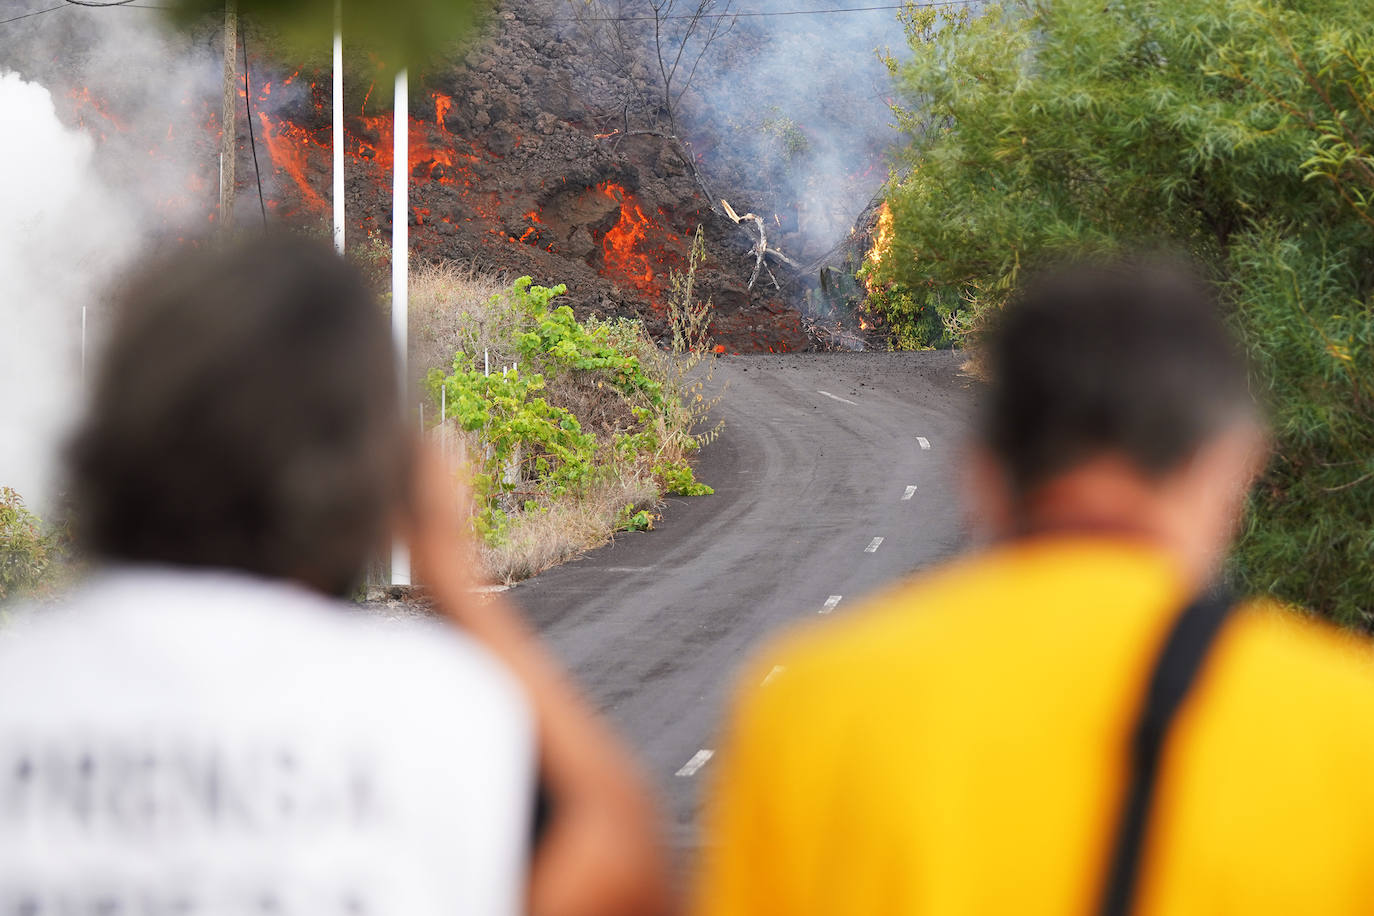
[847, 9]
[60, 6]
[248, 101]
[125, 4]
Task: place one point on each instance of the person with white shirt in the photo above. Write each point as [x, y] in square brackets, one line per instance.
[202, 726]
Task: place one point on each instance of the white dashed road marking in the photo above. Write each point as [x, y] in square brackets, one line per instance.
[923, 442]
[830, 604]
[910, 492]
[873, 545]
[777, 669]
[836, 397]
[697, 762]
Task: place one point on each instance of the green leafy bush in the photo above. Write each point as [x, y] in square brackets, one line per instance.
[525, 437]
[27, 550]
[1239, 131]
[629, 519]
[678, 480]
[584, 407]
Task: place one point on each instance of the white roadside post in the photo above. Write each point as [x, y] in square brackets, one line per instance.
[338, 135]
[400, 266]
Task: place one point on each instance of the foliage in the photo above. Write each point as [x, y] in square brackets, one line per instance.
[685, 366]
[678, 480]
[557, 337]
[27, 550]
[1240, 132]
[524, 436]
[785, 132]
[583, 407]
[631, 520]
[398, 32]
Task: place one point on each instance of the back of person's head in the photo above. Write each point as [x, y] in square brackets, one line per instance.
[245, 416]
[1125, 358]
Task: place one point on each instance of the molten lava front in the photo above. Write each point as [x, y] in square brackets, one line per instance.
[496, 180]
[634, 245]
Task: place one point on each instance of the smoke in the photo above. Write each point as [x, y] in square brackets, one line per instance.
[800, 105]
[792, 113]
[99, 111]
[62, 233]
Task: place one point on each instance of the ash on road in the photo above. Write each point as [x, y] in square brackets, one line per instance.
[814, 507]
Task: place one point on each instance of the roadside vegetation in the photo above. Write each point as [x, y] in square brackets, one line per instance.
[31, 552]
[569, 430]
[1239, 132]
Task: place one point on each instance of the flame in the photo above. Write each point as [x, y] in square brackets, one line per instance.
[622, 240]
[442, 105]
[882, 242]
[627, 244]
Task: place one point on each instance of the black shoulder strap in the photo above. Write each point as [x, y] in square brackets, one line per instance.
[1175, 671]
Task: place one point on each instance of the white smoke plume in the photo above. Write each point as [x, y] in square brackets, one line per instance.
[62, 234]
[103, 120]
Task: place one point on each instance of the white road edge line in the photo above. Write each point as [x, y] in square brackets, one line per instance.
[697, 762]
[836, 397]
[873, 545]
[777, 669]
[923, 442]
[910, 492]
[830, 604]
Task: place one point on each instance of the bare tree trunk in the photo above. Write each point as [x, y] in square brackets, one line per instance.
[228, 145]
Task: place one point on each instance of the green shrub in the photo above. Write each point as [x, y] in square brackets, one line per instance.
[27, 551]
[588, 406]
[678, 480]
[631, 520]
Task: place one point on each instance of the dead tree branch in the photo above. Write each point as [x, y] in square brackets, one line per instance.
[760, 249]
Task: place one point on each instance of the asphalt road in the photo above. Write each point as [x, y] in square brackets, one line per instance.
[815, 464]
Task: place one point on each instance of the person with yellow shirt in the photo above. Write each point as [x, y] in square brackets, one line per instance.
[1075, 719]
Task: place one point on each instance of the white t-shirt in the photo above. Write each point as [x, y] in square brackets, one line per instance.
[175, 743]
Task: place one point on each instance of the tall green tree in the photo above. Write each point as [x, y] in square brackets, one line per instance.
[1238, 131]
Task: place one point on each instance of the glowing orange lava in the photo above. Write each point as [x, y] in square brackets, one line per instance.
[290, 147]
[88, 106]
[629, 246]
[442, 105]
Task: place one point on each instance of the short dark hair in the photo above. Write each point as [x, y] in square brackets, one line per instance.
[1132, 357]
[246, 415]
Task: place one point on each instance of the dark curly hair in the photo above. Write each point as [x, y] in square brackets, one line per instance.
[246, 415]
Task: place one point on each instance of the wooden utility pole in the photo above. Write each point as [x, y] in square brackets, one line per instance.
[228, 145]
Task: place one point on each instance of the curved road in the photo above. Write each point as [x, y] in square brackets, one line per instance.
[816, 463]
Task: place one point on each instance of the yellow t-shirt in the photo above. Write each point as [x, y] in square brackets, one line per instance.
[957, 746]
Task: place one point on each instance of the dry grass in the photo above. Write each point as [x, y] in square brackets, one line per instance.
[450, 310]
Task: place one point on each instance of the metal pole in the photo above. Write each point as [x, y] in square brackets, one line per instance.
[83, 346]
[400, 266]
[338, 135]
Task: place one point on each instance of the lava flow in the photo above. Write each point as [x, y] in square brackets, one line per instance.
[456, 179]
[625, 245]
